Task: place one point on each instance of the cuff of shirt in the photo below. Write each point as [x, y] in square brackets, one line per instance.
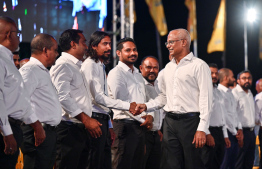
[126, 106]
[30, 119]
[239, 126]
[207, 132]
[149, 106]
[110, 125]
[225, 132]
[202, 126]
[77, 112]
[6, 130]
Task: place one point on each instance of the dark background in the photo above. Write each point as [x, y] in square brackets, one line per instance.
[176, 16]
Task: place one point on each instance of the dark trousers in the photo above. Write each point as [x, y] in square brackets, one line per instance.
[129, 145]
[260, 146]
[9, 161]
[246, 154]
[231, 153]
[153, 150]
[73, 145]
[213, 156]
[42, 156]
[178, 152]
[100, 150]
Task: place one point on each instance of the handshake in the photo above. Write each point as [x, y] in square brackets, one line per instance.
[137, 109]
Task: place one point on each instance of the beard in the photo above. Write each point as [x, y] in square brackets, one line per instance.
[150, 80]
[246, 86]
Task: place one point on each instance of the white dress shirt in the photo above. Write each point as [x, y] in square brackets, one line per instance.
[232, 121]
[127, 86]
[152, 92]
[217, 112]
[245, 106]
[258, 108]
[14, 99]
[187, 87]
[160, 79]
[97, 83]
[71, 87]
[44, 100]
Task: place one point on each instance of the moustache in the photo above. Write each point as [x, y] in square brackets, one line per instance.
[107, 51]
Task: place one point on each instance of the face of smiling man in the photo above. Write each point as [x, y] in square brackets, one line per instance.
[149, 69]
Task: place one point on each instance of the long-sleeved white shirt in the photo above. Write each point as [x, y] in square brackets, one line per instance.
[217, 112]
[97, 83]
[127, 86]
[152, 92]
[14, 100]
[232, 121]
[245, 106]
[43, 97]
[258, 108]
[187, 87]
[71, 87]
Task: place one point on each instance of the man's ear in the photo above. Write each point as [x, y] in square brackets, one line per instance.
[238, 81]
[118, 52]
[73, 44]
[140, 68]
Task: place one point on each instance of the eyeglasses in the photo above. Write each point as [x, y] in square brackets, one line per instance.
[171, 42]
[246, 78]
[18, 33]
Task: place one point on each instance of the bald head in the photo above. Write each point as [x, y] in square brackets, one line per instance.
[182, 34]
[226, 77]
[8, 33]
[259, 85]
[41, 41]
[149, 68]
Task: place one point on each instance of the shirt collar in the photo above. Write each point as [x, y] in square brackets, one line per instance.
[126, 68]
[149, 84]
[72, 58]
[188, 57]
[224, 88]
[38, 63]
[6, 52]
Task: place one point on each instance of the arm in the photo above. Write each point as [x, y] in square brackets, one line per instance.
[258, 110]
[91, 73]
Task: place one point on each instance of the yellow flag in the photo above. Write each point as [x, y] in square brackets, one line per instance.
[260, 40]
[192, 21]
[157, 13]
[127, 10]
[217, 41]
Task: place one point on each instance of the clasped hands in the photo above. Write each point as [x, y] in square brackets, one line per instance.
[137, 109]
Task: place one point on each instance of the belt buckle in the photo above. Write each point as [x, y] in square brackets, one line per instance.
[252, 128]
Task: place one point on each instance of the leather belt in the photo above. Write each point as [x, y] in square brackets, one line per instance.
[100, 115]
[127, 121]
[14, 121]
[248, 128]
[69, 123]
[177, 116]
[153, 132]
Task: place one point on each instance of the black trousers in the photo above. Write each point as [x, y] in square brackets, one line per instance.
[178, 152]
[246, 154]
[42, 156]
[9, 161]
[129, 145]
[213, 157]
[231, 153]
[100, 150]
[153, 150]
[73, 145]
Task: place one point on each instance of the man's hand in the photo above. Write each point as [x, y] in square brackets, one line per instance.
[113, 136]
[240, 143]
[139, 109]
[227, 142]
[132, 107]
[210, 140]
[160, 135]
[39, 133]
[148, 122]
[10, 144]
[92, 125]
[240, 135]
[199, 139]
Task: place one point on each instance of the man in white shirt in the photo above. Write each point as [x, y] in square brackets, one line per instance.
[16, 59]
[187, 97]
[217, 137]
[234, 127]
[149, 70]
[72, 136]
[127, 84]
[258, 109]
[44, 102]
[14, 101]
[246, 115]
[99, 49]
